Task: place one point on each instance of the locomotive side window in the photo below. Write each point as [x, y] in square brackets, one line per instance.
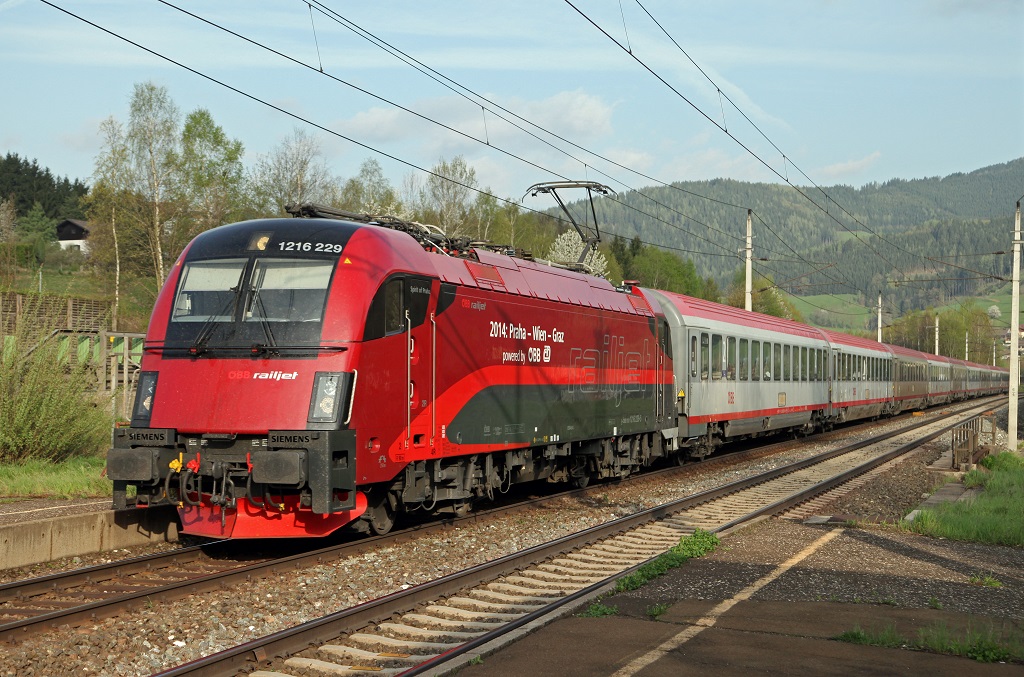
[755, 357]
[705, 356]
[744, 359]
[730, 353]
[394, 307]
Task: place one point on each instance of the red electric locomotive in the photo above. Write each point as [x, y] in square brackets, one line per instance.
[305, 374]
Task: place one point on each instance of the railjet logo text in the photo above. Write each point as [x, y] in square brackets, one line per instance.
[276, 375]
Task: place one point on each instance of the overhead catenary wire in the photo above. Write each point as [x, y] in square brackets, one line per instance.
[427, 171]
[294, 115]
[485, 141]
[785, 177]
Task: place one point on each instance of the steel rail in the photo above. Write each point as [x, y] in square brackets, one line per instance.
[13, 631]
[321, 630]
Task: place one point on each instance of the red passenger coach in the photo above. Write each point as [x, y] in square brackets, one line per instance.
[304, 374]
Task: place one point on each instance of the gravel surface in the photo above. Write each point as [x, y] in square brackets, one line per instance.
[881, 565]
[152, 639]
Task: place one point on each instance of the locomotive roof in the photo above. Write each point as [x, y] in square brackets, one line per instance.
[533, 279]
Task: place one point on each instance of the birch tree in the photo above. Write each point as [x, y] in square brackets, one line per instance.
[152, 139]
[294, 173]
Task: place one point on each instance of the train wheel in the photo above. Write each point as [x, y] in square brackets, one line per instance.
[380, 514]
[581, 481]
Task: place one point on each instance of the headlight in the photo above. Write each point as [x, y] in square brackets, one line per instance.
[330, 392]
[145, 393]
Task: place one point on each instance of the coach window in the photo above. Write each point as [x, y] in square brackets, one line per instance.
[716, 357]
[744, 359]
[730, 356]
[806, 369]
[755, 360]
[777, 364]
[705, 356]
[693, 355]
[787, 367]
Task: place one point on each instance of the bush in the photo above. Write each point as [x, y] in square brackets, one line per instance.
[47, 409]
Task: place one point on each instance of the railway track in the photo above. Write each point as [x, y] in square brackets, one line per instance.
[418, 630]
[86, 595]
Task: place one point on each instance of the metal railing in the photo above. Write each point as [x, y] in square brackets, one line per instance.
[970, 437]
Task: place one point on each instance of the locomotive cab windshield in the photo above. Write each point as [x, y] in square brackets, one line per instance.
[238, 303]
[254, 287]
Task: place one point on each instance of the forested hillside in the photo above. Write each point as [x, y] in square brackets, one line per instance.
[879, 236]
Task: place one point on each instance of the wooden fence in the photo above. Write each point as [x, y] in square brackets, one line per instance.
[81, 328]
[44, 312]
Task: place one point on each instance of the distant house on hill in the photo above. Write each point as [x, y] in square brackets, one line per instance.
[73, 234]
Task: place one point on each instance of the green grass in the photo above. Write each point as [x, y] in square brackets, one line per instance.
[984, 646]
[696, 544]
[656, 610]
[887, 637]
[992, 517]
[75, 478]
[843, 310]
[597, 610]
[985, 581]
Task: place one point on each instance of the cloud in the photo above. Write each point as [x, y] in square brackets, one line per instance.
[842, 170]
[573, 115]
[84, 139]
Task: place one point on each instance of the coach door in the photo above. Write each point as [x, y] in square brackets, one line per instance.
[698, 394]
[664, 382]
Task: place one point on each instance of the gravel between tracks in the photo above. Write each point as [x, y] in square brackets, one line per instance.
[153, 639]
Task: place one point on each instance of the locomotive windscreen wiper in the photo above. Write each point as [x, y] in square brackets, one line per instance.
[257, 302]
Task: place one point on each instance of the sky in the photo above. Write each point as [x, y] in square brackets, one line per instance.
[822, 91]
